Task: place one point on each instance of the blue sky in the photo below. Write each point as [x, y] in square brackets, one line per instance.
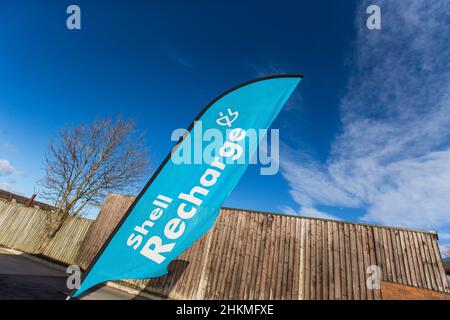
[365, 138]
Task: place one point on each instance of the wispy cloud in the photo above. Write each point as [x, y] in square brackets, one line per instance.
[309, 212]
[268, 70]
[6, 168]
[179, 59]
[392, 157]
[6, 175]
[8, 186]
[9, 146]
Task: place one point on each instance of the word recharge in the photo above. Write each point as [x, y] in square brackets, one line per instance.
[156, 247]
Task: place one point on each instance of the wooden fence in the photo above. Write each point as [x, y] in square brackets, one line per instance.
[27, 229]
[253, 255]
[250, 255]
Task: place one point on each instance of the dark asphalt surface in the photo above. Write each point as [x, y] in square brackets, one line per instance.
[22, 278]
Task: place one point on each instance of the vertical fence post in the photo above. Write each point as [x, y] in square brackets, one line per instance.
[30, 202]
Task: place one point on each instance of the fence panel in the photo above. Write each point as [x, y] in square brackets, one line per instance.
[66, 243]
[22, 228]
[26, 229]
[248, 254]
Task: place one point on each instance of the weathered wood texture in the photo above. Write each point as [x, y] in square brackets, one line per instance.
[397, 291]
[251, 255]
[12, 197]
[26, 229]
[111, 212]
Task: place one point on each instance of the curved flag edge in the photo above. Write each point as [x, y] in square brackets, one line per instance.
[166, 159]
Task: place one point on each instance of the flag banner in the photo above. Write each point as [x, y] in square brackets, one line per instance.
[181, 201]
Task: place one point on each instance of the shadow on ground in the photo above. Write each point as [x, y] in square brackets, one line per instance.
[14, 287]
[25, 279]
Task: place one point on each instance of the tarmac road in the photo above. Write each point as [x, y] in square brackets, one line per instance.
[25, 279]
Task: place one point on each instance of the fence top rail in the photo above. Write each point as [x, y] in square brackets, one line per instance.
[331, 220]
[127, 197]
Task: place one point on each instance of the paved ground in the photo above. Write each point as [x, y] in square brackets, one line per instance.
[22, 278]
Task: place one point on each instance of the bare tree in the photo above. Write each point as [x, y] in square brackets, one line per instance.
[447, 250]
[87, 162]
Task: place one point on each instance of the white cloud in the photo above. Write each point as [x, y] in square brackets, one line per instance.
[6, 168]
[296, 102]
[289, 210]
[8, 186]
[309, 212]
[392, 156]
[445, 251]
[310, 183]
[314, 213]
[417, 193]
[7, 171]
[444, 236]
